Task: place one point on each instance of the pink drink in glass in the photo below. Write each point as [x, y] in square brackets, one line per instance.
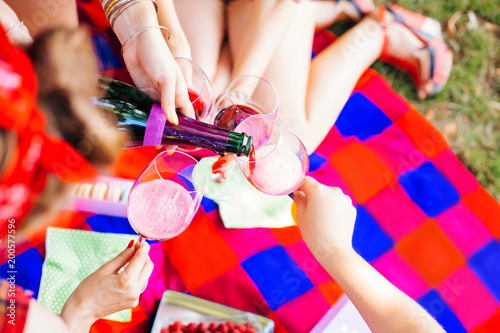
[159, 209]
[276, 170]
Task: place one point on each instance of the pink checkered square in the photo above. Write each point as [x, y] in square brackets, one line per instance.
[466, 295]
[395, 150]
[464, 229]
[401, 274]
[449, 164]
[307, 311]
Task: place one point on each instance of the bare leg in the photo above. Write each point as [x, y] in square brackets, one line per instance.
[312, 94]
[39, 16]
[203, 24]
[333, 75]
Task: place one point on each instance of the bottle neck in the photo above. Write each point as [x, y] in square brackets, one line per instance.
[239, 144]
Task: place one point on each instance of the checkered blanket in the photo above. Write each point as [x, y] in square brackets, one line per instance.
[423, 221]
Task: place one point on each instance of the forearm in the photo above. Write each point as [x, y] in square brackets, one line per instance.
[167, 17]
[268, 23]
[383, 307]
[76, 316]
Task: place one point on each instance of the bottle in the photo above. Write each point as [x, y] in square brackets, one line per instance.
[135, 109]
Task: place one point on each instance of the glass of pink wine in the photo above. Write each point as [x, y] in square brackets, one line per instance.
[279, 161]
[199, 88]
[164, 199]
[247, 95]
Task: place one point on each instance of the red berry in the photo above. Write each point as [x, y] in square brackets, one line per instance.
[223, 328]
[164, 330]
[242, 328]
[212, 326]
[202, 327]
[177, 325]
[251, 330]
[230, 325]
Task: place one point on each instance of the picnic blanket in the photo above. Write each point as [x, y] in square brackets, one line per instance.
[423, 221]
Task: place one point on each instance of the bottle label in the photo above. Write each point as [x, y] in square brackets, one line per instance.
[154, 126]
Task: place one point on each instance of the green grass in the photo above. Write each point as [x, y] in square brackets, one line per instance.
[467, 111]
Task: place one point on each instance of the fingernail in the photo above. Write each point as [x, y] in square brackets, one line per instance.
[174, 118]
[142, 240]
[130, 244]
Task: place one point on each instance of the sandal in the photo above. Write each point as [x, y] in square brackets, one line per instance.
[428, 31]
[363, 7]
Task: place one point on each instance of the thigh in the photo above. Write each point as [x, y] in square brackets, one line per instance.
[203, 24]
[41, 15]
[288, 70]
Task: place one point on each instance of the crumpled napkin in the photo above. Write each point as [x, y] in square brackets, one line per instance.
[240, 204]
[71, 256]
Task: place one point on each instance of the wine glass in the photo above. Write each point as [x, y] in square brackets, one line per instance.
[279, 162]
[199, 87]
[247, 95]
[164, 199]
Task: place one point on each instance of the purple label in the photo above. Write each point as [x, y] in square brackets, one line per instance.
[154, 126]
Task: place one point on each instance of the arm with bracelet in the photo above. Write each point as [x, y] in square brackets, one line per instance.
[147, 55]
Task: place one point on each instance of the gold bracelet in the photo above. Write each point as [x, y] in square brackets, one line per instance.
[110, 5]
[122, 7]
[141, 31]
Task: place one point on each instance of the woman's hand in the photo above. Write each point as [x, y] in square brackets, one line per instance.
[325, 217]
[108, 289]
[155, 72]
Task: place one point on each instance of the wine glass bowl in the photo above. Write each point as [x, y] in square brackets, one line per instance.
[247, 95]
[280, 161]
[199, 87]
[164, 199]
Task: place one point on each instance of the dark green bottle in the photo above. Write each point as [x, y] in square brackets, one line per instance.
[134, 110]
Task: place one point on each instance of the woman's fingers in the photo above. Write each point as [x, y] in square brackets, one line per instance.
[145, 273]
[182, 97]
[115, 264]
[167, 87]
[137, 262]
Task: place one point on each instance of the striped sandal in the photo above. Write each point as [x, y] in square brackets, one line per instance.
[362, 7]
[428, 31]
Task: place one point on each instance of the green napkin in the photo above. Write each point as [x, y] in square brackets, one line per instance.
[71, 256]
[240, 204]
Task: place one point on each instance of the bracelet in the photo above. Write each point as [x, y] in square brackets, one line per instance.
[115, 8]
[141, 31]
[14, 27]
[118, 10]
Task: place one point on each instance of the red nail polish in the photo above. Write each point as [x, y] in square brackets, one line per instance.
[130, 244]
[140, 240]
